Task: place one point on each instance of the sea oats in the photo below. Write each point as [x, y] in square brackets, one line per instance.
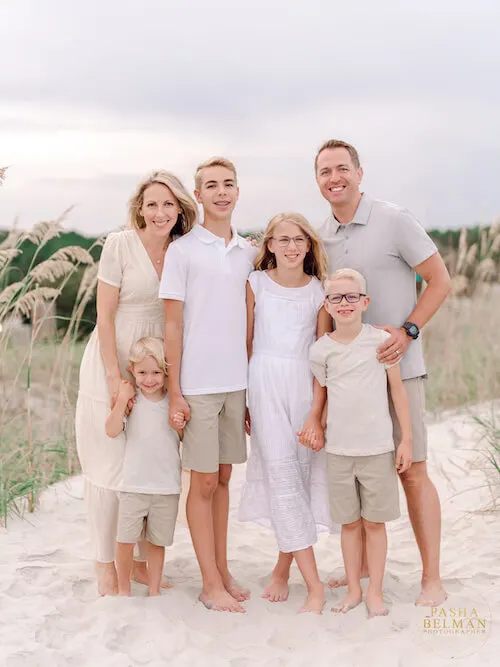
[9, 293]
[74, 253]
[28, 301]
[50, 270]
[7, 255]
[88, 283]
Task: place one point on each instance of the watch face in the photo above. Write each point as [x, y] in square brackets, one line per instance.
[413, 330]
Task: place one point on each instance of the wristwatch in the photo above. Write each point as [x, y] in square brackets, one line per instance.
[411, 330]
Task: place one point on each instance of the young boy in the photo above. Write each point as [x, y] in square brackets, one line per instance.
[151, 473]
[362, 475]
[203, 284]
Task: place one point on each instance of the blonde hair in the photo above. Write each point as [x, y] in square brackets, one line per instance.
[337, 143]
[148, 347]
[213, 162]
[189, 210]
[347, 274]
[315, 261]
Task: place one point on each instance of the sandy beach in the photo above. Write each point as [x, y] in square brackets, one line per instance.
[50, 614]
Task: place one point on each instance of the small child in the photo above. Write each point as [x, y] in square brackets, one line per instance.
[362, 475]
[151, 474]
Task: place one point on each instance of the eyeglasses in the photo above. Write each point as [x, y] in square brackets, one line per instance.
[284, 241]
[351, 297]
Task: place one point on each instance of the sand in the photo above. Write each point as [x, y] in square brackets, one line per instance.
[50, 614]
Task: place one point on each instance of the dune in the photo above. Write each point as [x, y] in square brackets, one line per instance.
[50, 614]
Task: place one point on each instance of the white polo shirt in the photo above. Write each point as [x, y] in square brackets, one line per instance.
[210, 278]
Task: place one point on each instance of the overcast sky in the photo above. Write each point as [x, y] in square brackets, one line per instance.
[95, 94]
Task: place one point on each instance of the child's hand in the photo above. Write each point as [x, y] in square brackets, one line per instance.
[126, 391]
[403, 456]
[312, 434]
[178, 421]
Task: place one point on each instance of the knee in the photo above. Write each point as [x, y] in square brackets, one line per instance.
[225, 471]
[355, 525]
[204, 485]
[372, 526]
[415, 476]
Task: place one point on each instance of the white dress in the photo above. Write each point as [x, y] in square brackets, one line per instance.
[286, 483]
[125, 264]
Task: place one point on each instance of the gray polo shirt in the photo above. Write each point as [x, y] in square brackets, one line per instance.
[383, 242]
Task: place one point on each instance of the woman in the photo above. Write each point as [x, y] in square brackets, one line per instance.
[128, 308]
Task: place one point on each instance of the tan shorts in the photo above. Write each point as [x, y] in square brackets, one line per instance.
[157, 512]
[416, 397]
[215, 433]
[363, 486]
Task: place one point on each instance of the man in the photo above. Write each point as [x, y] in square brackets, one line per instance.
[387, 245]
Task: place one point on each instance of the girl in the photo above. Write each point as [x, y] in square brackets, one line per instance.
[286, 482]
[151, 474]
[128, 308]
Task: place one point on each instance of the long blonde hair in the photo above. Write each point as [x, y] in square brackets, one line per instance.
[315, 261]
[189, 210]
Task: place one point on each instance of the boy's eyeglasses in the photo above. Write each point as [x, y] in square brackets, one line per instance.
[351, 297]
[284, 241]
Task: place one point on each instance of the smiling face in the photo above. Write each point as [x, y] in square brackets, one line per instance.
[345, 312]
[217, 192]
[289, 244]
[337, 177]
[160, 210]
[149, 377]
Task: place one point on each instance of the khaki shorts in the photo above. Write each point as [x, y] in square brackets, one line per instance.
[416, 397]
[156, 512]
[215, 433]
[363, 486]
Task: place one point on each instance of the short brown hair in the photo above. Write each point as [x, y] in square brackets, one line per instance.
[337, 143]
[315, 261]
[213, 162]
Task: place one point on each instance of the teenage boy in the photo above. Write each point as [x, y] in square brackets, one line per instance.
[388, 245]
[203, 284]
[362, 479]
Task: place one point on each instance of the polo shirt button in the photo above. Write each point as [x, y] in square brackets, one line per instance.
[346, 252]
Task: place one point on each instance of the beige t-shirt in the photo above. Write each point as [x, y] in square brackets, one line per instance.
[152, 463]
[359, 422]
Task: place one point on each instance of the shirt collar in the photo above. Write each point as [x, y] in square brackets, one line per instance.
[207, 237]
[361, 216]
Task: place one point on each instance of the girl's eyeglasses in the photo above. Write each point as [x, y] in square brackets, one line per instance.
[284, 241]
[351, 297]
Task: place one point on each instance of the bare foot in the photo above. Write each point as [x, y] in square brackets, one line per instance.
[107, 581]
[125, 592]
[375, 604]
[152, 593]
[220, 600]
[276, 590]
[315, 601]
[350, 601]
[233, 588]
[140, 575]
[431, 595]
[339, 582]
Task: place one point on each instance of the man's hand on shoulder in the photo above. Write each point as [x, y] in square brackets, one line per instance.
[391, 351]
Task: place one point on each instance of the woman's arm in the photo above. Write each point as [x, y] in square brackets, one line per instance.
[107, 304]
[174, 315]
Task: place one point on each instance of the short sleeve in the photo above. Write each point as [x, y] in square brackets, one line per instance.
[383, 336]
[318, 294]
[111, 262]
[174, 276]
[254, 280]
[317, 362]
[414, 245]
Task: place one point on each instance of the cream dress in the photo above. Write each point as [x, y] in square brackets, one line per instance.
[124, 264]
[286, 482]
